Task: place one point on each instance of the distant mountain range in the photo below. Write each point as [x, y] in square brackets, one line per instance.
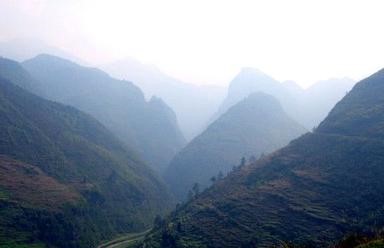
[321, 187]
[308, 106]
[193, 105]
[148, 127]
[22, 49]
[81, 153]
[65, 180]
[256, 125]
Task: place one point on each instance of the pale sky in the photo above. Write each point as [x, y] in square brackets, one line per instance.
[208, 41]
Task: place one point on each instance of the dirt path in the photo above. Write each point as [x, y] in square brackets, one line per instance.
[125, 241]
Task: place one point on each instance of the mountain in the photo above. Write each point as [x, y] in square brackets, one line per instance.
[321, 187]
[320, 98]
[149, 127]
[21, 49]
[11, 70]
[250, 80]
[193, 105]
[308, 106]
[65, 180]
[252, 127]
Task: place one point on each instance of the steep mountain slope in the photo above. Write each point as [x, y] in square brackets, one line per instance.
[149, 127]
[65, 180]
[11, 70]
[309, 107]
[193, 105]
[252, 127]
[250, 80]
[320, 98]
[319, 188]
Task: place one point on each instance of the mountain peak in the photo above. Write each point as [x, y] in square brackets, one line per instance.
[253, 73]
[53, 60]
[255, 125]
[251, 70]
[359, 113]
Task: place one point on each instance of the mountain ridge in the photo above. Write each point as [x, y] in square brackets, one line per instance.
[98, 187]
[321, 187]
[193, 105]
[252, 127]
[117, 104]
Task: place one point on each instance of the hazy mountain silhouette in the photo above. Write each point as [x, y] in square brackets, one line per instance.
[149, 127]
[254, 126]
[308, 106]
[319, 99]
[314, 191]
[22, 48]
[65, 180]
[251, 80]
[193, 105]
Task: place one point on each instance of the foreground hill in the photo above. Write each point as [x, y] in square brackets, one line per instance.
[254, 126]
[149, 127]
[317, 189]
[65, 180]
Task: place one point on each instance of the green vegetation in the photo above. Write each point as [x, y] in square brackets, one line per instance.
[311, 193]
[373, 244]
[150, 127]
[368, 240]
[66, 181]
[252, 127]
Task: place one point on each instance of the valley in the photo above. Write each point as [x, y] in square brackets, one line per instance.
[191, 124]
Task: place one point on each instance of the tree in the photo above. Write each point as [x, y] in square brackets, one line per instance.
[178, 227]
[178, 205]
[213, 179]
[252, 159]
[158, 222]
[196, 189]
[190, 195]
[242, 161]
[220, 175]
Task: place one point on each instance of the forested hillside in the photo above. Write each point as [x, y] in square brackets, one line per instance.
[321, 187]
[65, 180]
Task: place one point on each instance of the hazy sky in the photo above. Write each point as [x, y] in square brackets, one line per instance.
[206, 41]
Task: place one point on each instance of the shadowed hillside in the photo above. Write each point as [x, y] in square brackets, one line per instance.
[65, 180]
[194, 105]
[149, 127]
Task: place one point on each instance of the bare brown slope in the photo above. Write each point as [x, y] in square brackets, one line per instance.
[30, 187]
